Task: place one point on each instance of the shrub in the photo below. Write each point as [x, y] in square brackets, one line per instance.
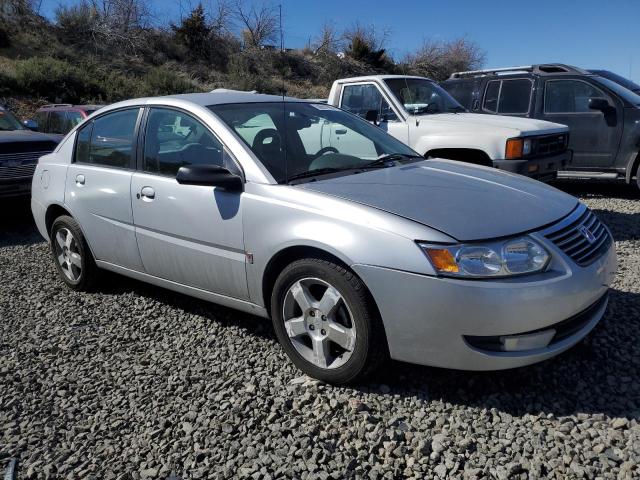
[162, 81]
[56, 80]
[5, 41]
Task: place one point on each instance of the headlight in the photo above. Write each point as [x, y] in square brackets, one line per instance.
[517, 148]
[516, 256]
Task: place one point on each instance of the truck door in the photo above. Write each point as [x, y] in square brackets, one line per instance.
[361, 98]
[594, 134]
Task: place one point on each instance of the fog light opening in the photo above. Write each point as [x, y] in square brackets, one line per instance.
[530, 341]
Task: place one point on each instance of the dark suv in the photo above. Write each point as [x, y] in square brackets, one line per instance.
[603, 116]
[60, 118]
[20, 150]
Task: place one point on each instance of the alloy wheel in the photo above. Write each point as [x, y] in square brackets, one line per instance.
[68, 254]
[319, 323]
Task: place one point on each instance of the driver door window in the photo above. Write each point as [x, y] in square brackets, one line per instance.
[360, 99]
[569, 96]
[174, 139]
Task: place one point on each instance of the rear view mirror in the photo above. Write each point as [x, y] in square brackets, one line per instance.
[372, 116]
[31, 125]
[598, 103]
[210, 176]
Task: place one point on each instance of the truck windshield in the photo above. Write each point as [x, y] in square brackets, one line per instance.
[8, 122]
[305, 140]
[626, 94]
[421, 96]
[625, 82]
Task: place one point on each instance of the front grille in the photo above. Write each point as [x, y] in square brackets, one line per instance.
[18, 165]
[584, 239]
[549, 145]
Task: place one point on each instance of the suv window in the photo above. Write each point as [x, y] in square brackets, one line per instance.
[359, 99]
[569, 96]
[462, 92]
[108, 140]
[174, 139]
[41, 118]
[72, 119]
[509, 96]
[56, 122]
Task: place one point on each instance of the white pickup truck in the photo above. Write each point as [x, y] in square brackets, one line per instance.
[423, 115]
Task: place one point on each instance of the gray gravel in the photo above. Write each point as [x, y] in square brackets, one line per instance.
[138, 382]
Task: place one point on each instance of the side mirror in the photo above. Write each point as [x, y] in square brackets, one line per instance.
[598, 103]
[210, 176]
[372, 116]
[31, 125]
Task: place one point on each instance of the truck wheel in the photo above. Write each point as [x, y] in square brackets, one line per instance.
[325, 320]
[71, 255]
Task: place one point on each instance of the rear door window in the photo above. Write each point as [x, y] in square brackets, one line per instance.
[508, 97]
[108, 140]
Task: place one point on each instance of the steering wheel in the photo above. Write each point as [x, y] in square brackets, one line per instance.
[324, 151]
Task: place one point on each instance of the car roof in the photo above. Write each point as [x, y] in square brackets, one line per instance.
[380, 77]
[536, 69]
[220, 97]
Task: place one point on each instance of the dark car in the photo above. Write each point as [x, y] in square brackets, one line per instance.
[20, 150]
[602, 114]
[59, 118]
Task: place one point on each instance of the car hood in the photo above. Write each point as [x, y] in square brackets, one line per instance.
[464, 201]
[24, 136]
[526, 126]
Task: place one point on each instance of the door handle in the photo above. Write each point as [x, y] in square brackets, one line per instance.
[148, 193]
[80, 180]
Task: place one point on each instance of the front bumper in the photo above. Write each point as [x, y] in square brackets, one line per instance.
[429, 320]
[544, 169]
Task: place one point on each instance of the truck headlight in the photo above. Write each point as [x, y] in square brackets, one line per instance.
[516, 256]
[517, 148]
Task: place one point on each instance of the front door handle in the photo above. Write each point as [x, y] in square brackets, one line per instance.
[148, 193]
[80, 180]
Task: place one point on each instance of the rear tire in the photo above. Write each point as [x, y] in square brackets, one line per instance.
[326, 321]
[71, 255]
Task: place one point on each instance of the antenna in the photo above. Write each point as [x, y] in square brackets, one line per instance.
[283, 137]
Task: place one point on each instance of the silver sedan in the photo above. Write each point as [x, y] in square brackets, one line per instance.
[355, 247]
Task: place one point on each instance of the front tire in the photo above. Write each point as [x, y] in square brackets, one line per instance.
[326, 322]
[71, 255]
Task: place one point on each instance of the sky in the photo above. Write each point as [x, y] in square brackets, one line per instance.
[585, 33]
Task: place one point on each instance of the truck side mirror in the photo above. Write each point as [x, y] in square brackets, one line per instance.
[598, 103]
[372, 116]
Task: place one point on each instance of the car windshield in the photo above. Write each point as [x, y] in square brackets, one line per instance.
[8, 122]
[626, 94]
[421, 96]
[625, 82]
[300, 140]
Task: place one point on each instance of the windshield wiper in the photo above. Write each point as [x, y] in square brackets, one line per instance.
[384, 160]
[319, 171]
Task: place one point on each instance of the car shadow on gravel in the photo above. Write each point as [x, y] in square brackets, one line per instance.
[596, 376]
[623, 225]
[114, 284]
[16, 223]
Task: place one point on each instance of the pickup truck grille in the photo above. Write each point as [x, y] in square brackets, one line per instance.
[19, 165]
[549, 145]
[585, 239]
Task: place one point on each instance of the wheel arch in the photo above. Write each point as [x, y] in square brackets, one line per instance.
[632, 167]
[54, 211]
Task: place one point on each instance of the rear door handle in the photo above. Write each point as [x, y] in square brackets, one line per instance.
[80, 180]
[148, 193]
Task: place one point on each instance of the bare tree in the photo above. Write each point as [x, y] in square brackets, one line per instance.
[438, 59]
[328, 41]
[221, 15]
[259, 23]
[367, 44]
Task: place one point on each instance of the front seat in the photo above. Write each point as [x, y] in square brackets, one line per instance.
[267, 145]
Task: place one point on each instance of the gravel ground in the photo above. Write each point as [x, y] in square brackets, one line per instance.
[139, 382]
